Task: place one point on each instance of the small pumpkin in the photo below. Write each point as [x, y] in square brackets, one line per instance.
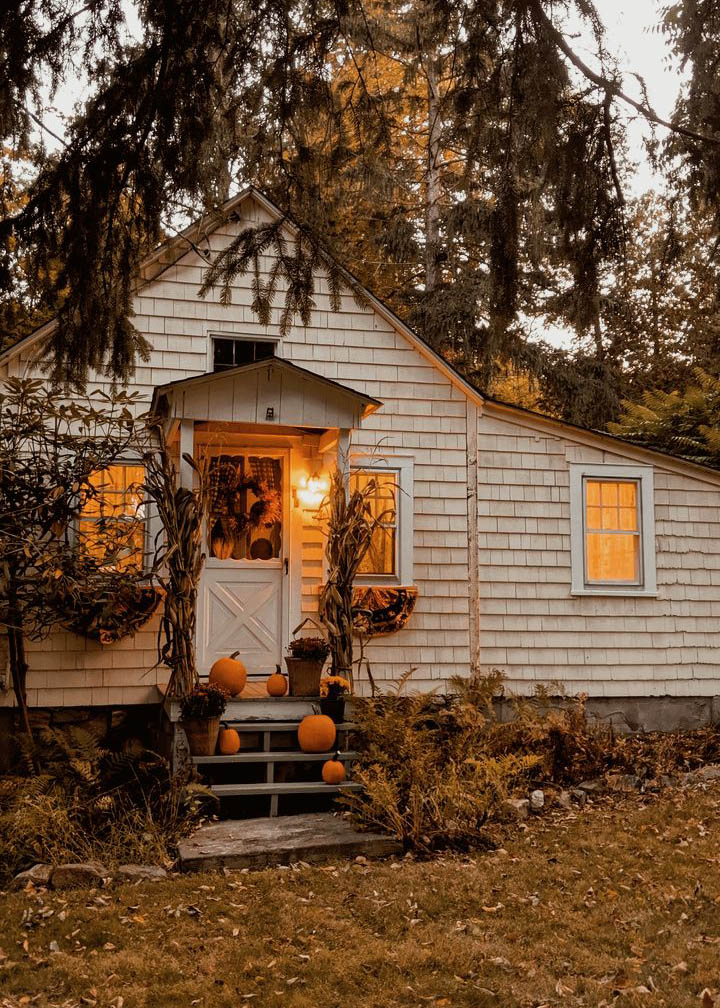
[229, 673]
[333, 771]
[222, 546]
[228, 742]
[276, 684]
[316, 733]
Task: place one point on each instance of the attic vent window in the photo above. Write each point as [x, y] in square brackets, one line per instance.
[231, 353]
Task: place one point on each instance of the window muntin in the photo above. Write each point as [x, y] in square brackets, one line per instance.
[111, 525]
[230, 353]
[381, 558]
[612, 532]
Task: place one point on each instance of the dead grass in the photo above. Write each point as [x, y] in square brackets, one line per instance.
[615, 905]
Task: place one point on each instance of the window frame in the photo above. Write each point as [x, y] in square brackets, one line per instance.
[643, 476]
[239, 338]
[143, 570]
[402, 468]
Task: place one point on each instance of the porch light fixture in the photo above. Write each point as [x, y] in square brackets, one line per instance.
[311, 490]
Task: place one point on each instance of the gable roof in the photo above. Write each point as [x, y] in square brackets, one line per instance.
[295, 396]
[172, 249]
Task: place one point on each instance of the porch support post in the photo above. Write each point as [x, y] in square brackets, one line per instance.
[187, 446]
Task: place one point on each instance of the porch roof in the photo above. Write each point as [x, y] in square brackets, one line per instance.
[272, 391]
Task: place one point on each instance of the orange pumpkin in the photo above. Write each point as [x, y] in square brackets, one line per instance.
[228, 742]
[333, 772]
[230, 674]
[316, 733]
[276, 684]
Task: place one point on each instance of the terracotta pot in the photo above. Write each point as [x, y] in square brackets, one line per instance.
[202, 735]
[334, 709]
[304, 676]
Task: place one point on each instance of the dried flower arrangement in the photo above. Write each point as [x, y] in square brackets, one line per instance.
[204, 702]
[309, 648]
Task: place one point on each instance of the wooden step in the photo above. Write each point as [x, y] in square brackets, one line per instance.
[284, 788]
[275, 726]
[273, 757]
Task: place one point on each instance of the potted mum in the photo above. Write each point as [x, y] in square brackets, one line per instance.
[305, 664]
[333, 690]
[200, 713]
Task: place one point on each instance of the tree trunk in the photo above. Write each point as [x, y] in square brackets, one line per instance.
[18, 662]
[432, 184]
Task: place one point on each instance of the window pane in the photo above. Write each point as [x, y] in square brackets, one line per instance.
[612, 525]
[222, 354]
[230, 353]
[381, 555]
[112, 523]
[612, 558]
[592, 493]
[593, 517]
[244, 352]
[628, 519]
[628, 494]
[609, 494]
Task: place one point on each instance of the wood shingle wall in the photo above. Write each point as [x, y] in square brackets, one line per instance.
[423, 415]
[530, 625]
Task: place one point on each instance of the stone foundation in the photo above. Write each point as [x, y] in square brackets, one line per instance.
[637, 714]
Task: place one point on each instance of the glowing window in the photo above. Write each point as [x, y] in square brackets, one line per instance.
[111, 527]
[381, 487]
[613, 553]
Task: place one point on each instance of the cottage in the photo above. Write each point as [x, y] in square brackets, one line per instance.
[513, 541]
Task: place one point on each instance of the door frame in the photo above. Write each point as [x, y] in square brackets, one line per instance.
[285, 560]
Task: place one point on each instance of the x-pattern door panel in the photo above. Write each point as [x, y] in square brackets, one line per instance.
[242, 611]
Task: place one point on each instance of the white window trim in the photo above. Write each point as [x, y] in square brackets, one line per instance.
[643, 475]
[402, 466]
[213, 334]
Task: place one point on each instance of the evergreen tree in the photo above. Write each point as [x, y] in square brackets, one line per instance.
[510, 167]
[683, 423]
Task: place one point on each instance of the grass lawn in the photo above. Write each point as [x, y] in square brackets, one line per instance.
[616, 905]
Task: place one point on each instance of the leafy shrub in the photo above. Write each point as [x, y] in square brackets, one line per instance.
[428, 775]
[86, 802]
[206, 701]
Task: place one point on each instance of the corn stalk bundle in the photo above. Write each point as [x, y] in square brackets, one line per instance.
[180, 560]
[350, 527]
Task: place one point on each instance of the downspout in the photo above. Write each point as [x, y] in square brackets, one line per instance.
[472, 418]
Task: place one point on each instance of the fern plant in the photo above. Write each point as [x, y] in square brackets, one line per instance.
[426, 773]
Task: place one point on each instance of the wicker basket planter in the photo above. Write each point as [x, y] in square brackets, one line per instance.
[304, 676]
[202, 735]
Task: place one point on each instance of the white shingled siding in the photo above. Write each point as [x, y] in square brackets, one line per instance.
[531, 627]
[423, 415]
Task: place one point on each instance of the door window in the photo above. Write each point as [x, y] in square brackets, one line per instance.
[245, 521]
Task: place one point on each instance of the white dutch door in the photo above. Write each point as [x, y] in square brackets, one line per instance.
[241, 599]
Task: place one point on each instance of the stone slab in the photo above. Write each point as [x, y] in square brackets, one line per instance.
[262, 843]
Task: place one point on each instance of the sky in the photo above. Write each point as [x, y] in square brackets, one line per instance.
[633, 35]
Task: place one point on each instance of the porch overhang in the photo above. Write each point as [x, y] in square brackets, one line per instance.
[269, 392]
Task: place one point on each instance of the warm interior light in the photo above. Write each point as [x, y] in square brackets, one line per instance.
[311, 490]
